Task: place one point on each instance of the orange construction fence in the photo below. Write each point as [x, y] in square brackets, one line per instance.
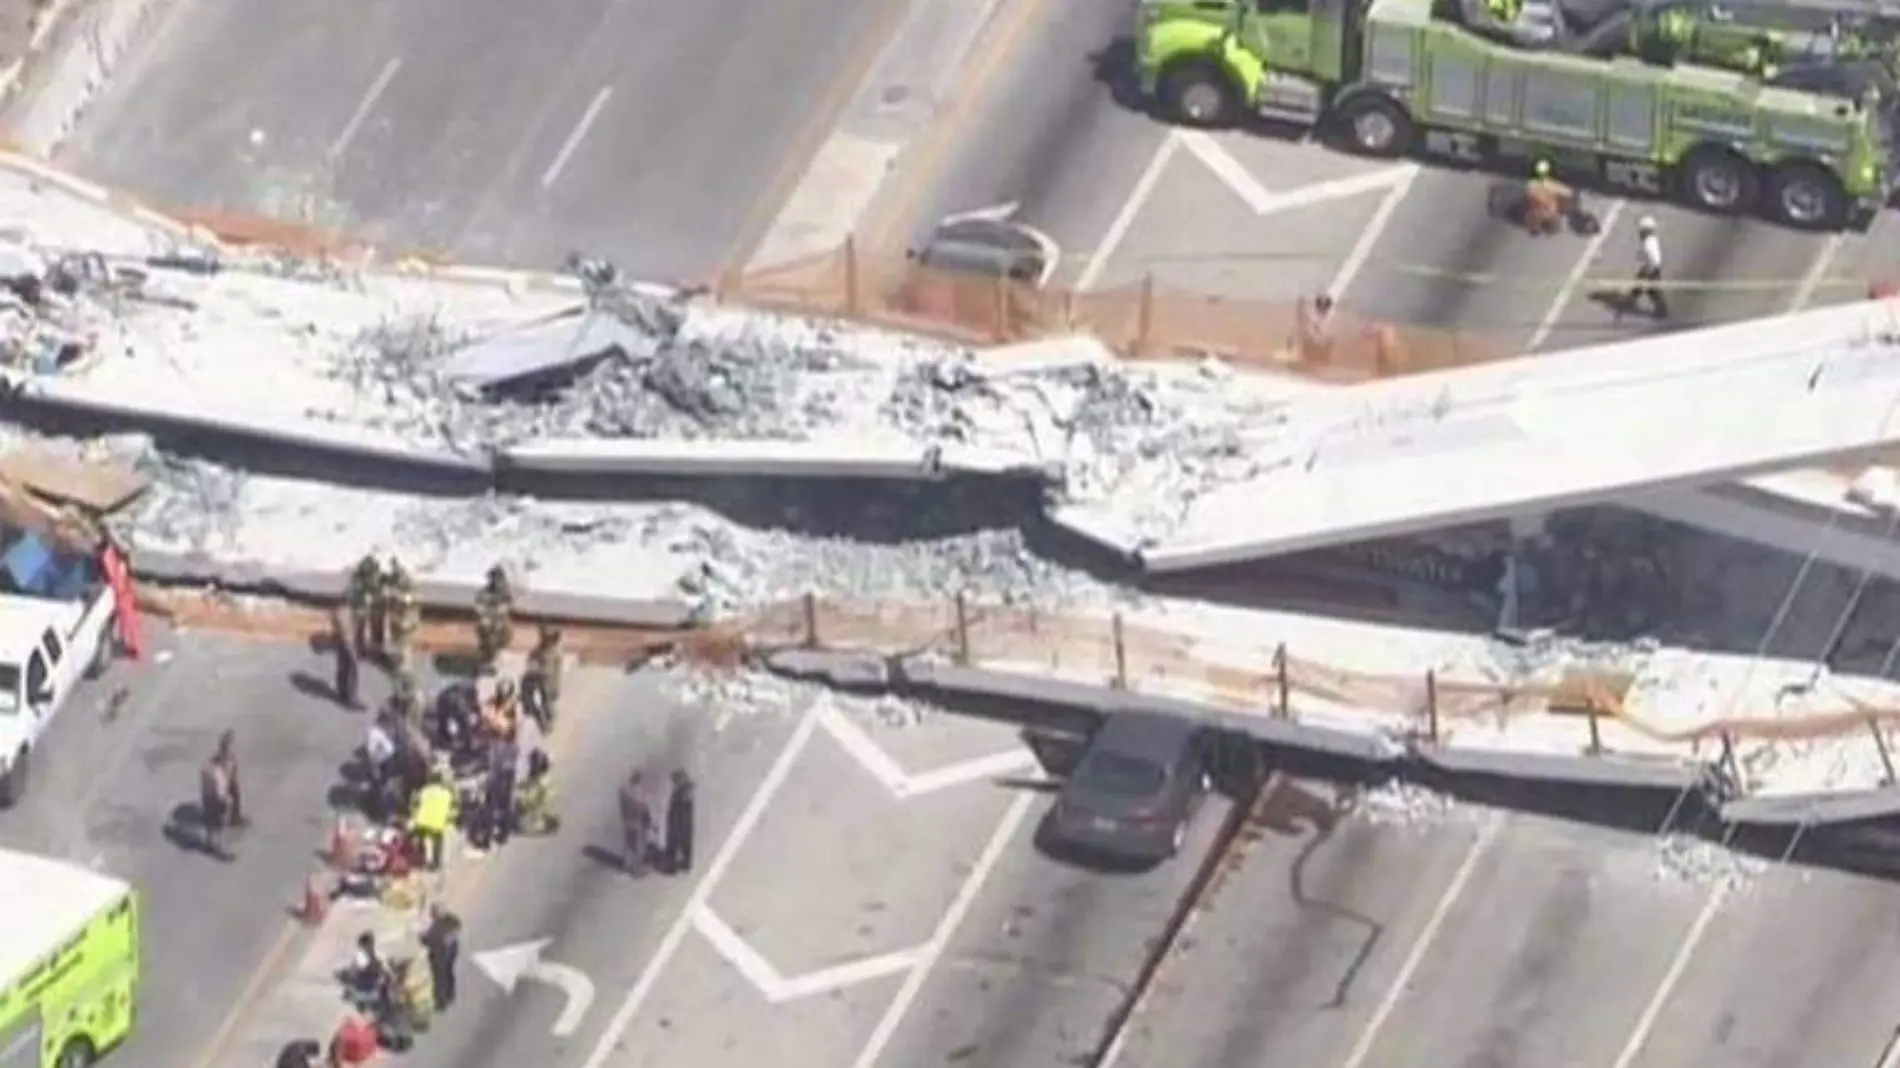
[1270, 677]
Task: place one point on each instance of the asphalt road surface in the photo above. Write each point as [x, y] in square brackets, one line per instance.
[660, 135]
[1254, 217]
[1470, 936]
[109, 783]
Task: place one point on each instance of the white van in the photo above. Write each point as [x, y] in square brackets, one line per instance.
[47, 647]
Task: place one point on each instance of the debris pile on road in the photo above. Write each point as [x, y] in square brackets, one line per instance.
[727, 697]
[1397, 803]
[1683, 858]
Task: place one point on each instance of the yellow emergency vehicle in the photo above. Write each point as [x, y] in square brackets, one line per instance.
[69, 962]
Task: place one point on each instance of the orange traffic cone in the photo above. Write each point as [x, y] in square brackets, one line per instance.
[341, 850]
[316, 901]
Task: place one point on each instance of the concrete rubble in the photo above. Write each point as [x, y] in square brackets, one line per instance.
[99, 301]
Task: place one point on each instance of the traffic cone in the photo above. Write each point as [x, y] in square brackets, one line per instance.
[316, 901]
[341, 850]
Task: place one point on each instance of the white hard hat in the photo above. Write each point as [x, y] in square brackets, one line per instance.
[1646, 223]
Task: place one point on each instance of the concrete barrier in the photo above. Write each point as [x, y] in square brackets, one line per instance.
[1579, 770]
[435, 594]
[721, 459]
[166, 419]
[1795, 810]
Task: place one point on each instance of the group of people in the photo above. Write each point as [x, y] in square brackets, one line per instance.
[650, 838]
[1549, 201]
[393, 999]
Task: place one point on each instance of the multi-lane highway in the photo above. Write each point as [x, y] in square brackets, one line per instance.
[662, 135]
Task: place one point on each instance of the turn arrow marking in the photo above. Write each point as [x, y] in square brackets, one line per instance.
[509, 965]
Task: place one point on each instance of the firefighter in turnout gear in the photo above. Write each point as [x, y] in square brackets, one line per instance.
[541, 683]
[363, 600]
[534, 800]
[494, 618]
[405, 697]
[403, 610]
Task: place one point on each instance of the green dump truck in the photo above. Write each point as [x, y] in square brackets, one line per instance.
[1786, 109]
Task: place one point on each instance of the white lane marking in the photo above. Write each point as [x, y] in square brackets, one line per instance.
[932, 952]
[1578, 271]
[1362, 1049]
[675, 936]
[1234, 175]
[576, 136]
[363, 107]
[779, 989]
[1125, 218]
[1677, 966]
[892, 776]
[1817, 273]
[1890, 1057]
[1369, 238]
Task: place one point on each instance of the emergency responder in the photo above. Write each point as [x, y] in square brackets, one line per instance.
[382, 745]
[458, 713]
[502, 719]
[363, 598]
[680, 805]
[405, 696]
[1546, 201]
[1649, 270]
[534, 802]
[430, 818]
[541, 683]
[494, 618]
[415, 996]
[402, 612]
[636, 824]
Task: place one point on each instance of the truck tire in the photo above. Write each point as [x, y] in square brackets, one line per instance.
[13, 783]
[1197, 92]
[1372, 124]
[1719, 181]
[76, 1053]
[1807, 196]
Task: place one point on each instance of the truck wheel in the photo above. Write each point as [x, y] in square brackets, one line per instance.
[1720, 181]
[1196, 92]
[13, 783]
[1807, 196]
[75, 1054]
[1375, 125]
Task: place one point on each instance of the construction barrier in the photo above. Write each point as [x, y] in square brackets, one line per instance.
[891, 289]
[1112, 652]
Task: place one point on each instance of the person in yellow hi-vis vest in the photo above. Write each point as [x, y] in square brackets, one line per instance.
[430, 818]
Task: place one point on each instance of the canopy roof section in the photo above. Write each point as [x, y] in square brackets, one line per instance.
[1576, 428]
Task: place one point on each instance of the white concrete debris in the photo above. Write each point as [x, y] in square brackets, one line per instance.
[1404, 804]
[664, 550]
[725, 697]
[1687, 859]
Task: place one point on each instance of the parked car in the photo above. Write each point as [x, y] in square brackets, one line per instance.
[974, 269]
[1134, 788]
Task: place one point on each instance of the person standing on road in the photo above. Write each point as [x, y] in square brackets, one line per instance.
[504, 758]
[226, 758]
[679, 824]
[348, 667]
[636, 823]
[442, 943]
[363, 597]
[214, 809]
[1649, 270]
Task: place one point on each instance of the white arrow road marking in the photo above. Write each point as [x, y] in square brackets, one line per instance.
[875, 761]
[779, 989]
[509, 965]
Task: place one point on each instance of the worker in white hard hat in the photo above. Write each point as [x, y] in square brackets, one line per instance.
[1546, 201]
[1649, 269]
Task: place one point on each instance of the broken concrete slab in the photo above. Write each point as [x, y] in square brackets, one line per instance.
[847, 671]
[893, 461]
[1580, 769]
[1796, 810]
[557, 347]
[98, 487]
